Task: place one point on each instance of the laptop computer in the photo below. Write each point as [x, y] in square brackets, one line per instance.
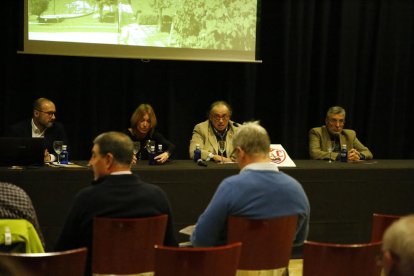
[21, 151]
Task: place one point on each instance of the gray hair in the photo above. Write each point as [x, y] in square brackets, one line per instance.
[252, 138]
[399, 239]
[335, 110]
[116, 143]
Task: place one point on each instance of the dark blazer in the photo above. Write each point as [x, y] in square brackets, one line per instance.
[24, 129]
[116, 196]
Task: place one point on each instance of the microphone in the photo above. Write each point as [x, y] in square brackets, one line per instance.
[201, 163]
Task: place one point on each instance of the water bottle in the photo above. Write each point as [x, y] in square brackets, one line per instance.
[64, 155]
[151, 155]
[197, 153]
[159, 151]
[344, 154]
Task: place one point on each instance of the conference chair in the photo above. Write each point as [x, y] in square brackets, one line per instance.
[327, 259]
[126, 245]
[380, 223]
[19, 236]
[206, 261]
[267, 243]
[63, 263]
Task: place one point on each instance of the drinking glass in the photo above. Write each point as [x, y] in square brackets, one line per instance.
[136, 147]
[222, 148]
[331, 147]
[57, 147]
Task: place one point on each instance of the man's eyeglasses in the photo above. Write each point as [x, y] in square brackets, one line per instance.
[335, 121]
[49, 113]
[234, 153]
[217, 117]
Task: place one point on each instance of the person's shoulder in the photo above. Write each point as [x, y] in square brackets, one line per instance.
[202, 124]
[316, 129]
[23, 124]
[9, 187]
[349, 131]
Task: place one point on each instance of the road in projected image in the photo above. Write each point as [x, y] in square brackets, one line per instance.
[209, 24]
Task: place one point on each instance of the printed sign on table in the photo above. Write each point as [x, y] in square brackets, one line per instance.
[280, 156]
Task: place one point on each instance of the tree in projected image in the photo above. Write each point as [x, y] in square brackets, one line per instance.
[216, 24]
[37, 7]
[160, 6]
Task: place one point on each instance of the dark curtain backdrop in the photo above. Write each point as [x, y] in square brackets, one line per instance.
[357, 54]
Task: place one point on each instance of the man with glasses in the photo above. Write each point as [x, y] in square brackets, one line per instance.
[217, 128]
[259, 191]
[42, 124]
[333, 133]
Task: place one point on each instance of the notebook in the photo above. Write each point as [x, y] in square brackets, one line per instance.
[21, 151]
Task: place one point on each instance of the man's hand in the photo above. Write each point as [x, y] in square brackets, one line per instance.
[162, 158]
[217, 158]
[354, 155]
[46, 157]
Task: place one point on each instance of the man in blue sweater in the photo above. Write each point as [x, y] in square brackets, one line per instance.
[259, 191]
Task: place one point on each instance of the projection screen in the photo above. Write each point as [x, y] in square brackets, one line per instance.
[208, 30]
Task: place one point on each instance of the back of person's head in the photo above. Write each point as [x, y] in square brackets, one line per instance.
[140, 112]
[335, 110]
[252, 138]
[398, 243]
[116, 143]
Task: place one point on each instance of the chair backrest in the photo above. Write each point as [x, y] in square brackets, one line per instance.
[186, 261]
[380, 223]
[267, 243]
[327, 259]
[126, 245]
[63, 263]
[19, 236]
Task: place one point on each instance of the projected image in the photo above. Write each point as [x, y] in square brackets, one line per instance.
[199, 24]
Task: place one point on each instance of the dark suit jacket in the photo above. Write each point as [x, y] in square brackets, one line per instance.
[24, 129]
[116, 196]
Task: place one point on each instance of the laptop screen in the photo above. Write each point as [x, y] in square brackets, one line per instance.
[21, 151]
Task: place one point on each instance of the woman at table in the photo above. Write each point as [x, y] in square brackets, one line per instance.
[143, 123]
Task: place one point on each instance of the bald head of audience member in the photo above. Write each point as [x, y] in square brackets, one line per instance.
[398, 248]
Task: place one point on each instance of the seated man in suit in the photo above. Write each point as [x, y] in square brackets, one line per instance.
[16, 204]
[333, 133]
[116, 192]
[208, 133]
[398, 248]
[42, 124]
[259, 191]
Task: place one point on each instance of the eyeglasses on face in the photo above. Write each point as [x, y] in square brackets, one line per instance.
[234, 154]
[335, 121]
[49, 113]
[217, 117]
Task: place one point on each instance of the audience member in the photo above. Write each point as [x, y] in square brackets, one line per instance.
[333, 133]
[217, 127]
[259, 191]
[42, 124]
[143, 123]
[398, 248]
[16, 204]
[115, 192]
